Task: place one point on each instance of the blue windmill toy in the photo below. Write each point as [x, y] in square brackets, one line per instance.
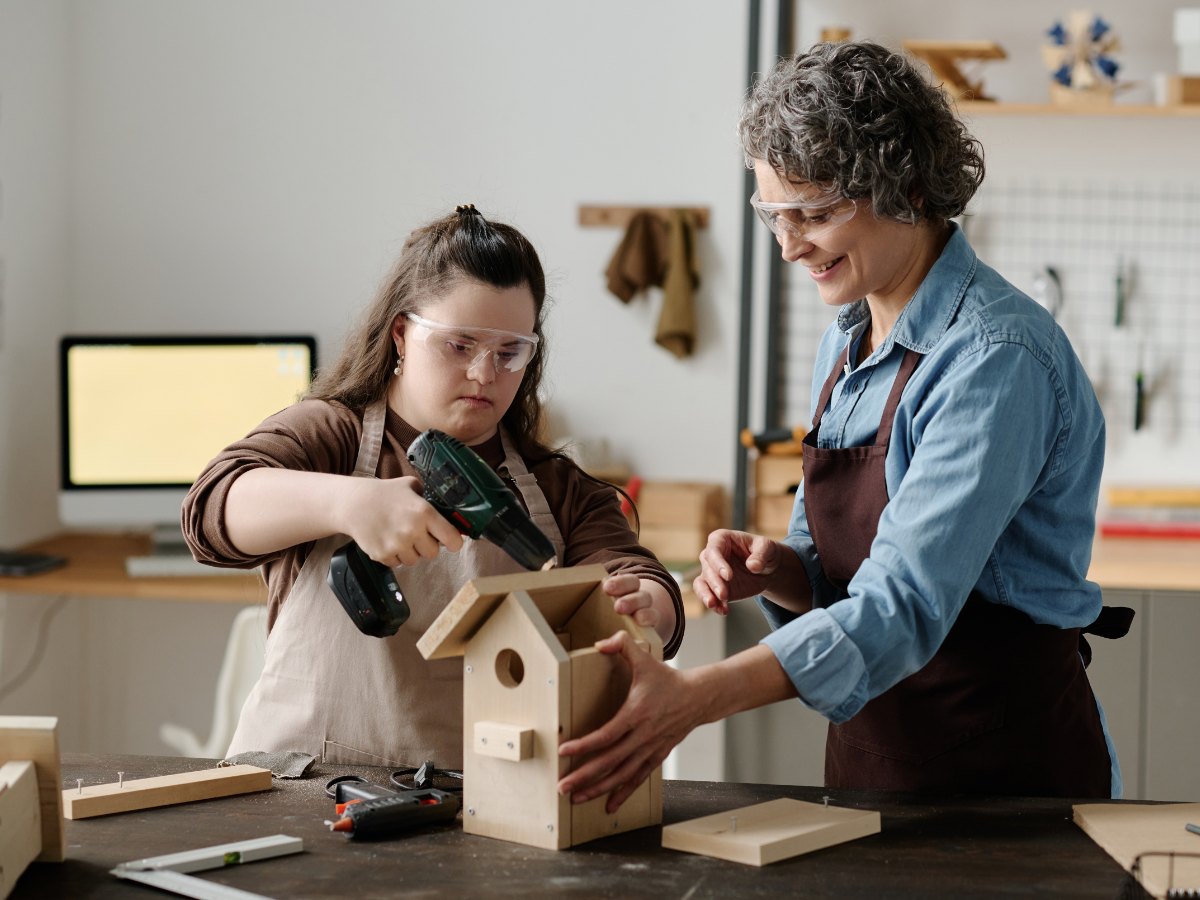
[1079, 57]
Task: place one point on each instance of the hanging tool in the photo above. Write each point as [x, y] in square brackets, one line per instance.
[774, 441]
[1139, 402]
[1119, 313]
[167, 872]
[469, 495]
[1047, 290]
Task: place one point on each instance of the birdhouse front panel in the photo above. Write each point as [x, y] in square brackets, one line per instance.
[516, 677]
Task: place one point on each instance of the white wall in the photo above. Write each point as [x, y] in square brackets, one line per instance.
[255, 166]
[34, 228]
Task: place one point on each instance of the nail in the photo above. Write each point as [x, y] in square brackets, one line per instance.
[120, 780]
[826, 799]
[79, 784]
[734, 822]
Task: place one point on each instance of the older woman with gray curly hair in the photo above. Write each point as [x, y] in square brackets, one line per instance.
[931, 596]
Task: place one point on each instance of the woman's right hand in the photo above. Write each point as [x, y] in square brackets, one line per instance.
[394, 524]
[735, 565]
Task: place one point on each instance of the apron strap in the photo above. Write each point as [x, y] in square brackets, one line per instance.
[374, 417]
[830, 382]
[535, 500]
[907, 366]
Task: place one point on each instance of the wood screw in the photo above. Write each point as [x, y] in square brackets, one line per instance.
[550, 681]
[826, 799]
[470, 810]
[483, 740]
[79, 784]
[510, 745]
[549, 827]
[120, 779]
[468, 670]
[734, 823]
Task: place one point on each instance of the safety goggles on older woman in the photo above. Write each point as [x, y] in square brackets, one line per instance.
[465, 346]
[804, 219]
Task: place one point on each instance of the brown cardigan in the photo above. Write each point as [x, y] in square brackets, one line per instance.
[321, 436]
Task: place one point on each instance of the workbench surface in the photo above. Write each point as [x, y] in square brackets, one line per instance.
[952, 847]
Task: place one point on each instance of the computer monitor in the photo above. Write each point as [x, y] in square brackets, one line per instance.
[142, 416]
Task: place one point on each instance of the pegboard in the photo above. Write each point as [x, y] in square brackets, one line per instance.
[1086, 232]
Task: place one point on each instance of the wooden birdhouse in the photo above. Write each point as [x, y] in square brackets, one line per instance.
[532, 679]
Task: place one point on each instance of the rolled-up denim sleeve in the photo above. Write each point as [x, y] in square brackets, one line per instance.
[980, 443]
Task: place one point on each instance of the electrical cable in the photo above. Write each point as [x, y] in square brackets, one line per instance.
[39, 649]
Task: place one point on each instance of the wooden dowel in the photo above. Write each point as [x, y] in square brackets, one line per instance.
[619, 216]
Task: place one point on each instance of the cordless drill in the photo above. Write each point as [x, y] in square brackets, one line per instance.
[469, 495]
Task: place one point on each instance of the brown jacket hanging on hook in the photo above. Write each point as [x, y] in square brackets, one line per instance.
[677, 322]
[641, 259]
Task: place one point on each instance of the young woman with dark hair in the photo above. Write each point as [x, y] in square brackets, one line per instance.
[453, 341]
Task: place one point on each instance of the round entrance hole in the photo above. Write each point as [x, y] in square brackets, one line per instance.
[509, 668]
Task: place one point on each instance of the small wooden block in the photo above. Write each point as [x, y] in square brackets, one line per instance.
[777, 474]
[165, 790]
[503, 741]
[35, 738]
[20, 822]
[771, 831]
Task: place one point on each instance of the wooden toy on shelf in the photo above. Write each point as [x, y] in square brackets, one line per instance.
[532, 678]
[943, 58]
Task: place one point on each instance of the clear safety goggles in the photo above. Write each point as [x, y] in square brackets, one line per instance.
[806, 220]
[465, 346]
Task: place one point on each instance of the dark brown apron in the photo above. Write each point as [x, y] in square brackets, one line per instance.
[1003, 708]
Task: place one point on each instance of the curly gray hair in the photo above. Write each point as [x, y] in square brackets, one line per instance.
[857, 119]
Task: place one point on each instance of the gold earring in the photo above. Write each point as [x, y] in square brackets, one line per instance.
[399, 365]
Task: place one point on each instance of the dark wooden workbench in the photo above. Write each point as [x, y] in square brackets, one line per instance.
[930, 847]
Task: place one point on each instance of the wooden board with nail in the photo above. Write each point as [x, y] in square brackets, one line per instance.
[85, 801]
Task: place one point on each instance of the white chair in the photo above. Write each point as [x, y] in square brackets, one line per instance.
[240, 670]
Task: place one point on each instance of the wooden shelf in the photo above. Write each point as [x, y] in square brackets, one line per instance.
[96, 568]
[968, 108]
[1145, 564]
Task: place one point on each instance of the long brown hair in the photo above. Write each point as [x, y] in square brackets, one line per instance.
[435, 257]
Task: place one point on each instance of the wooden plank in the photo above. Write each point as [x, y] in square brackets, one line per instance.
[599, 685]
[517, 801]
[20, 821]
[768, 832]
[35, 738]
[1153, 496]
[511, 742]
[1126, 830]
[673, 543]
[593, 216]
[970, 108]
[165, 790]
[558, 592]
[596, 619]
[96, 568]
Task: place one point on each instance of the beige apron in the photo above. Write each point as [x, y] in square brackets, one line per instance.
[345, 697]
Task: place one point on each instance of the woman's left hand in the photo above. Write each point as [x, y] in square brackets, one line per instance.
[645, 601]
[657, 714]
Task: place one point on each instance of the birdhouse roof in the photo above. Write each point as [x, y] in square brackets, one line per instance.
[557, 593]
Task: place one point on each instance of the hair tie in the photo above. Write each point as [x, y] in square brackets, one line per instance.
[468, 210]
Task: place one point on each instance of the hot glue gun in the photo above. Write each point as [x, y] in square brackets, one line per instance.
[468, 494]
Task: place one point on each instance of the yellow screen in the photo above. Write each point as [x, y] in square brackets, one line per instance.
[158, 414]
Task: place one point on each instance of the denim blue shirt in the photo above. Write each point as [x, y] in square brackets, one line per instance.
[993, 473]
